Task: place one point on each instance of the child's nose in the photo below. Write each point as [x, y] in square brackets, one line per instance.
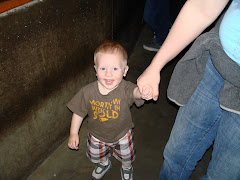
[108, 72]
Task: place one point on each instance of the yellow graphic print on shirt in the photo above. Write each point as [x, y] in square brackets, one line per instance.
[104, 111]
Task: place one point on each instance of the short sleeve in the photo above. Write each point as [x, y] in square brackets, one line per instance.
[129, 88]
[78, 104]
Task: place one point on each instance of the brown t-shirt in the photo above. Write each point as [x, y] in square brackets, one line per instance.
[109, 117]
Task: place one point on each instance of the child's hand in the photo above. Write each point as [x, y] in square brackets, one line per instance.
[146, 92]
[73, 141]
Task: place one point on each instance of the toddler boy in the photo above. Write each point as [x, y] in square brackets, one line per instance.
[107, 103]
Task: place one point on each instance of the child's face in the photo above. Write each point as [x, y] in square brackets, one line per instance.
[110, 70]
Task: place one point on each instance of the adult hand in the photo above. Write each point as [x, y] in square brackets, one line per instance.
[146, 92]
[151, 76]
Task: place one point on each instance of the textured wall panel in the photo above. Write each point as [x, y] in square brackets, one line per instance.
[46, 55]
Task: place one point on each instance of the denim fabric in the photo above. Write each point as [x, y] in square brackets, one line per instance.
[198, 124]
[157, 16]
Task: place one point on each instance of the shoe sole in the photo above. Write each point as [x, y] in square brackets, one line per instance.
[150, 49]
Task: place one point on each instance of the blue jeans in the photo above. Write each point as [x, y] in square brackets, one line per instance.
[157, 16]
[198, 124]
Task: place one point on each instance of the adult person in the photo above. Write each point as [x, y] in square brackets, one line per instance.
[157, 17]
[206, 84]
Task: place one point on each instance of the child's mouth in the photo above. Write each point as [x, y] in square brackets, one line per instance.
[108, 82]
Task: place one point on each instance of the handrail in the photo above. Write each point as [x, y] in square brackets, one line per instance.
[10, 4]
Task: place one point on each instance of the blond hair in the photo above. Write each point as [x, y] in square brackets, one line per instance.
[111, 47]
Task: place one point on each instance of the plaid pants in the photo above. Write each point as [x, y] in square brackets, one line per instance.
[123, 149]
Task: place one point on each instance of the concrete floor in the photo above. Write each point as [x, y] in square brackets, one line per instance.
[153, 125]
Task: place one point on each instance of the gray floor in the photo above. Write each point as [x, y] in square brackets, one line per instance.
[153, 125]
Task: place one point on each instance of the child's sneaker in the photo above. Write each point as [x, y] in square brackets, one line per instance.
[127, 174]
[100, 171]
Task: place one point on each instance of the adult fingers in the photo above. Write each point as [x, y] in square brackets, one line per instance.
[155, 92]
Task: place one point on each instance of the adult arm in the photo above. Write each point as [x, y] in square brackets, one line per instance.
[193, 19]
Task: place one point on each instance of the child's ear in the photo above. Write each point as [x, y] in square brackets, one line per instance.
[125, 71]
[95, 67]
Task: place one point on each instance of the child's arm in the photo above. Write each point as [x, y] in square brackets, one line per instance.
[146, 94]
[73, 140]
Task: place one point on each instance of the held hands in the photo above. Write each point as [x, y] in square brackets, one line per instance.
[146, 92]
[150, 77]
[73, 141]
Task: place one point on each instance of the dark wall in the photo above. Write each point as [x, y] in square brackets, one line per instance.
[46, 55]
[127, 22]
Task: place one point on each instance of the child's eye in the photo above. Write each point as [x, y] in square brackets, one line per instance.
[102, 69]
[115, 69]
